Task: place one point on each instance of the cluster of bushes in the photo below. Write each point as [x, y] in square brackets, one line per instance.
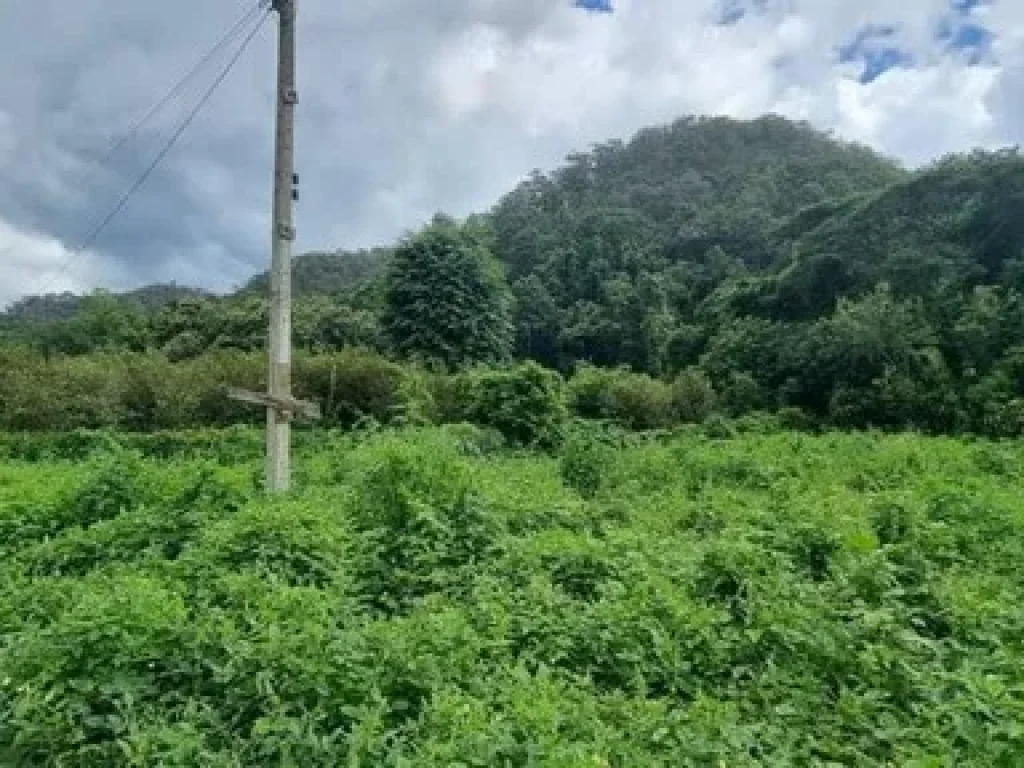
[145, 392]
[640, 402]
[528, 404]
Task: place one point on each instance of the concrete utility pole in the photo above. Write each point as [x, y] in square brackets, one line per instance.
[281, 406]
[280, 372]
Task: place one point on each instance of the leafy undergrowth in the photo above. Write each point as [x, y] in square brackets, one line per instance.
[428, 598]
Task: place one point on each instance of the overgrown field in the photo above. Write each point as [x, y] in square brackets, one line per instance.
[431, 598]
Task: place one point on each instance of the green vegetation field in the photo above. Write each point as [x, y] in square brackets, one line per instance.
[432, 598]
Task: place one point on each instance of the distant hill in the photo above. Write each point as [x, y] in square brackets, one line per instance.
[696, 182]
[51, 307]
[611, 250]
[326, 273]
[954, 226]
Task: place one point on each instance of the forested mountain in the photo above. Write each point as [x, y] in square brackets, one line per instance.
[791, 269]
[607, 254]
[680, 187]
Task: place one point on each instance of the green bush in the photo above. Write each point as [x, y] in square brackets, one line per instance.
[62, 393]
[632, 400]
[586, 462]
[742, 394]
[352, 385]
[133, 624]
[477, 441]
[419, 525]
[289, 543]
[525, 403]
[116, 484]
[590, 393]
[210, 374]
[693, 397]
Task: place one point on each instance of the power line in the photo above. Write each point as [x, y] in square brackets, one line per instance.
[153, 111]
[168, 146]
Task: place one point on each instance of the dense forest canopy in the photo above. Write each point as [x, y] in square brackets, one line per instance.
[789, 269]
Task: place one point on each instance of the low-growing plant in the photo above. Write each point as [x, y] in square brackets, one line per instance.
[419, 524]
[773, 599]
[587, 462]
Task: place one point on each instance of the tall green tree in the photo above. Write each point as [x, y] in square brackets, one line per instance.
[446, 299]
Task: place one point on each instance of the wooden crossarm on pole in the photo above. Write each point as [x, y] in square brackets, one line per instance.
[287, 406]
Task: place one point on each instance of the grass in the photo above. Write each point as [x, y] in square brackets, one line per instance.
[429, 598]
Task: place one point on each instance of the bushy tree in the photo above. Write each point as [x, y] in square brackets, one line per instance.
[446, 300]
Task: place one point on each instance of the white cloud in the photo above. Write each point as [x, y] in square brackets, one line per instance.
[920, 114]
[410, 108]
[593, 77]
[31, 263]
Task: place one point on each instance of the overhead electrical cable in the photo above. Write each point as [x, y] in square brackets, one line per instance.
[100, 227]
[158, 107]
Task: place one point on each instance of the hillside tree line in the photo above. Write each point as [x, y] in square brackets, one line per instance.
[761, 266]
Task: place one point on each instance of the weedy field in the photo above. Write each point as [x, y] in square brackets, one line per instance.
[430, 598]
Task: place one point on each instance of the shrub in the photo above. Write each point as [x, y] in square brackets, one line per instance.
[633, 400]
[210, 374]
[129, 623]
[757, 423]
[477, 441]
[419, 525]
[586, 463]
[718, 427]
[525, 403]
[742, 394]
[115, 486]
[351, 386]
[590, 393]
[295, 544]
[693, 397]
[417, 401]
[447, 397]
[62, 393]
[796, 419]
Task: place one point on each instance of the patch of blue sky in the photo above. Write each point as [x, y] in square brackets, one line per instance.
[967, 38]
[595, 6]
[875, 49]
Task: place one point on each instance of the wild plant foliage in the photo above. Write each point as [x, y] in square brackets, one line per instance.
[429, 597]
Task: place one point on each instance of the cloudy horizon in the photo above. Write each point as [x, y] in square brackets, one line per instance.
[405, 114]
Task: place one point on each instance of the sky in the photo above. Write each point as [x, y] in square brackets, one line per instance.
[409, 107]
